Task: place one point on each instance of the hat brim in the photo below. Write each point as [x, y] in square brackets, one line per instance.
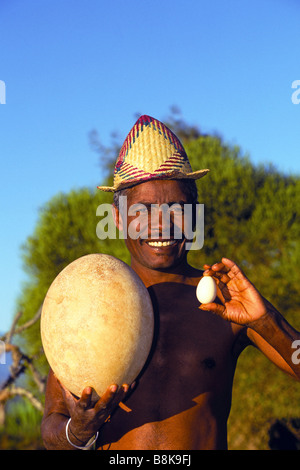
[172, 175]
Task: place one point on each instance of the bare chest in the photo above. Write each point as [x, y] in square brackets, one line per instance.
[191, 347]
[190, 368]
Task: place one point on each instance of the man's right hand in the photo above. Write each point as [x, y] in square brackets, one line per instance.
[87, 416]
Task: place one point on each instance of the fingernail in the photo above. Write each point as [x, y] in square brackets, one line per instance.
[113, 388]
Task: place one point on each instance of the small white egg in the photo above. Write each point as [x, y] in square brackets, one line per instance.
[206, 290]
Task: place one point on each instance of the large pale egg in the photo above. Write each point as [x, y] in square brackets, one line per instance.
[206, 290]
[97, 324]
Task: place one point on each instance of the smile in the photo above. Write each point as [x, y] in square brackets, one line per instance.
[161, 243]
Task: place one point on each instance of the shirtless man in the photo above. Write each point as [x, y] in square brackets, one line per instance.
[181, 401]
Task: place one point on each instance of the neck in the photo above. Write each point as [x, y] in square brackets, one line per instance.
[182, 273]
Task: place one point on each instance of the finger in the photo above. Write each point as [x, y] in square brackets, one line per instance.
[228, 262]
[114, 401]
[121, 403]
[132, 386]
[221, 277]
[208, 272]
[234, 269]
[214, 308]
[219, 267]
[122, 392]
[120, 395]
[206, 266]
[218, 276]
[106, 399]
[215, 268]
[86, 398]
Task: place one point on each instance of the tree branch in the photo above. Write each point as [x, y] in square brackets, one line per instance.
[12, 391]
[14, 331]
[20, 362]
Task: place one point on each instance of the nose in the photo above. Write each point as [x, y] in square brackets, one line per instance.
[162, 222]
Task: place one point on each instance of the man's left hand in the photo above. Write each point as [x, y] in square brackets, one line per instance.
[241, 301]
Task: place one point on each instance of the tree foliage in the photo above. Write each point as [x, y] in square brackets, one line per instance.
[251, 216]
[66, 230]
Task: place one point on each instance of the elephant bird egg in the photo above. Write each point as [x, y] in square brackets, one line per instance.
[97, 324]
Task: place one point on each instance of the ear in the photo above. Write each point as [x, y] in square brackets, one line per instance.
[117, 217]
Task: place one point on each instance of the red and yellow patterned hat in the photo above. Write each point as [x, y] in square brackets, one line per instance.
[151, 151]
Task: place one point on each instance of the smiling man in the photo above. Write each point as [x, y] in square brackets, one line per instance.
[182, 399]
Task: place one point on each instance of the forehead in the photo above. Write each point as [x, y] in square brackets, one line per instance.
[158, 191]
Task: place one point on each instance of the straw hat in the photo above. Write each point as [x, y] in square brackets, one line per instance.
[151, 151]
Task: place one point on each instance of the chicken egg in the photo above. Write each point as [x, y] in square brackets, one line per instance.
[206, 290]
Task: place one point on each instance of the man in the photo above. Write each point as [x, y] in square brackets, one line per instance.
[182, 398]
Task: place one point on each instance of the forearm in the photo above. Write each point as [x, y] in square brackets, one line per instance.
[279, 334]
[54, 433]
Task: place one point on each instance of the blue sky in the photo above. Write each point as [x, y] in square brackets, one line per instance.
[71, 66]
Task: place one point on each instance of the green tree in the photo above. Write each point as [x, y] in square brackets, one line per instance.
[251, 216]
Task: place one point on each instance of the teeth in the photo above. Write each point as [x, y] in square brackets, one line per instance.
[167, 243]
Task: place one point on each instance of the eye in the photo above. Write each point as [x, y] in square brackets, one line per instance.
[176, 209]
[137, 208]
